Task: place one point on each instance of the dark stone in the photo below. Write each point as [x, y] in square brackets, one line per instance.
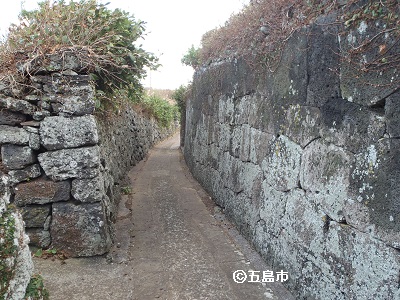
[39, 237]
[35, 216]
[80, 230]
[11, 118]
[17, 157]
[41, 191]
[25, 174]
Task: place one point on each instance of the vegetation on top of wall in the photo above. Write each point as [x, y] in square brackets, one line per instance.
[260, 31]
[106, 42]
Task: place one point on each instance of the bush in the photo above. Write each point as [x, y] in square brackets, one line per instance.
[191, 58]
[164, 112]
[105, 41]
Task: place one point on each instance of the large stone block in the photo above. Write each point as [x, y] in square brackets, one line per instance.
[80, 230]
[71, 163]
[13, 135]
[41, 191]
[61, 132]
[35, 216]
[88, 190]
[17, 157]
[17, 105]
[11, 118]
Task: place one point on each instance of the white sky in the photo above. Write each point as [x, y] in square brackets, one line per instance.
[172, 27]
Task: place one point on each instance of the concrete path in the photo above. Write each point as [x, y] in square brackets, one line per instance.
[171, 243]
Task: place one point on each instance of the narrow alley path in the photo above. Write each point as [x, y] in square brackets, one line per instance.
[168, 245]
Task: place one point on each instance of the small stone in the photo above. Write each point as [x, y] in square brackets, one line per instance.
[31, 123]
[35, 216]
[40, 115]
[39, 237]
[13, 135]
[28, 173]
[17, 157]
[34, 141]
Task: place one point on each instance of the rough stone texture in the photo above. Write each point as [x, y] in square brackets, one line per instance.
[17, 157]
[80, 230]
[39, 237]
[17, 105]
[35, 216]
[11, 118]
[26, 174]
[13, 135]
[88, 190]
[71, 163]
[41, 191]
[306, 163]
[21, 263]
[61, 133]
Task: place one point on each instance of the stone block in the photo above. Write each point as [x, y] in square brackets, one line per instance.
[11, 118]
[41, 191]
[88, 190]
[71, 163]
[61, 132]
[13, 135]
[34, 141]
[26, 174]
[39, 237]
[16, 105]
[392, 113]
[282, 167]
[17, 157]
[80, 230]
[35, 216]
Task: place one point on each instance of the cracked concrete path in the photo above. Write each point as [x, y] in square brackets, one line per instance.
[171, 243]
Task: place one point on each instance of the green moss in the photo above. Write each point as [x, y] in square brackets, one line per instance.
[8, 250]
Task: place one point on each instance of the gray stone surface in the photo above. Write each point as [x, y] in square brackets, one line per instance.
[38, 237]
[61, 132]
[13, 135]
[11, 118]
[88, 190]
[41, 191]
[26, 174]
[35, 216]
[80, 230]
[17, 157]
[71, 163]
[325, 206]
[17, 105]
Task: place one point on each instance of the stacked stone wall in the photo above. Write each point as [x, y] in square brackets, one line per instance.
[305, 161]
[65, 164]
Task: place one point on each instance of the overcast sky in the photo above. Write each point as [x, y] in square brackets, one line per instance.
[172, 27]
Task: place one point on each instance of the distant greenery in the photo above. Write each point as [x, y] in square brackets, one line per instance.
[164, 112]
[180, 95]
[192, 57]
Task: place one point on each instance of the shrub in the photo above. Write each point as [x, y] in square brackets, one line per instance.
[105, 41]
[191, 58]
[164, 112]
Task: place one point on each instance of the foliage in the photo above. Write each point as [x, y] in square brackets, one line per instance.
[104, 40]
[36, 290]
[192, 58]
[126, 190]
[164, 112]
[8, 250]
[180, 95]
[260, 31]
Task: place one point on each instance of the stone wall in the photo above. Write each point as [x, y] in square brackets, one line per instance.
[305, 162]
[65, 164]
[15, 258]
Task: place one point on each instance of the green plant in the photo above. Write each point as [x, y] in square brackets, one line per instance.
[36, 290]
[104, 40]
[192, 57]
[8, 250]
[126, 190]
[164, 112]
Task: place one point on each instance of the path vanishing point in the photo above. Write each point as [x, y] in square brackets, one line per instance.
[171, 243]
